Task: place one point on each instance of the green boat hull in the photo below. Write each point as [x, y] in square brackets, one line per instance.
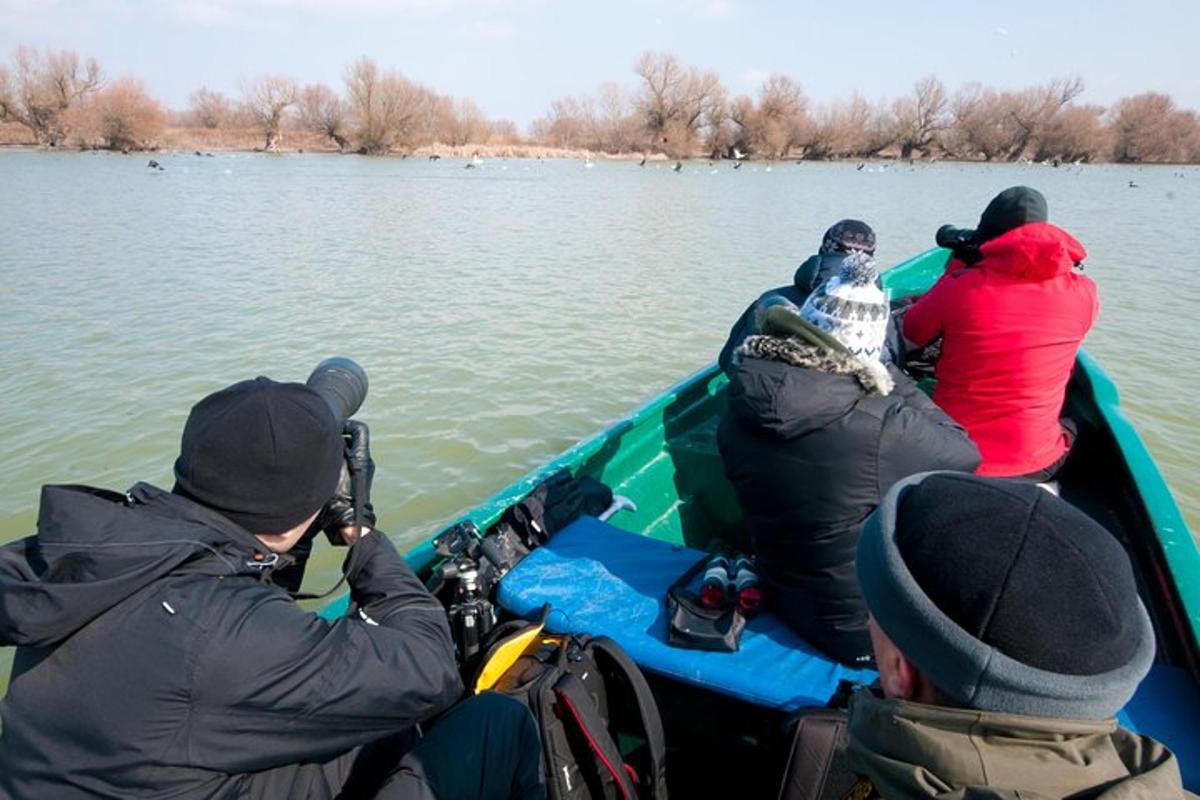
[664, 456]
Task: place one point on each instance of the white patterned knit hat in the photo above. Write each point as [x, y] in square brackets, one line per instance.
[851, 307]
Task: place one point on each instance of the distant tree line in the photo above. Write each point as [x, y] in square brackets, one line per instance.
[64, 100]
[682, 110]
[380, 111]
[673, 109]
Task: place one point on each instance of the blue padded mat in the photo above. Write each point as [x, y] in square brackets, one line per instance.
[1167, 708]
[602, 580]
[605, 581]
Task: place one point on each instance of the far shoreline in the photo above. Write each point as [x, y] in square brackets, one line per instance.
[202, 142]
[540, 152]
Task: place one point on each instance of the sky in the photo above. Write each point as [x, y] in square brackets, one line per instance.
[513, 57]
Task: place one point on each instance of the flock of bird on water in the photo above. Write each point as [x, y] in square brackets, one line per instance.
[737, 157]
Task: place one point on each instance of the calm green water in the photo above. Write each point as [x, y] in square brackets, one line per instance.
[503, 313]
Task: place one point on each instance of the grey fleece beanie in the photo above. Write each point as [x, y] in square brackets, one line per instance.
[1005, 597]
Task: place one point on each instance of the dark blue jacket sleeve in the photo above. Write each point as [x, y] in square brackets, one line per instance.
[274, 684]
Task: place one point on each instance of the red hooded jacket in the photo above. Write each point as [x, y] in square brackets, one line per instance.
[1011, 325]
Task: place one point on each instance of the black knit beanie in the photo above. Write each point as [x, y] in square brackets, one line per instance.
[1005, 596]
[266, 455]
[1012, 208]
[848, 236]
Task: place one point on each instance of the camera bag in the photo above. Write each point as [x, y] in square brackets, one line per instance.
[600, 728]
[816, 766]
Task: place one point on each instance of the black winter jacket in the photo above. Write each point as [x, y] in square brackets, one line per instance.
[155, 660]
[809, 275]
[811, 441]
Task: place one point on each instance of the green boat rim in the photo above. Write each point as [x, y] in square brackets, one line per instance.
[1170, 528]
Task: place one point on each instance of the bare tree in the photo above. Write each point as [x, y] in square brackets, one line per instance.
[322, 111]
[121, 116]
[1034, 109]
[503, 131]
[616, 122]
[265, 99]
[1076, 133]
[443, 119]
[676, 102]
[469, 123]
[571, 123]
[1007, 125]
[722, 129]
[777, 123]
[1149, 128]
[856, 128]
[981, 125]
[921, 117]
[42, 86]
[210, 109]
[818, 138]
[1187, 123]
[607, 123]
[457, 121]
[663, 75]
[386, 108]
[780, 97]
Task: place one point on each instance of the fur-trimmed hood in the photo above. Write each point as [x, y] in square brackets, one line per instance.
[786, 387]
[871, 375]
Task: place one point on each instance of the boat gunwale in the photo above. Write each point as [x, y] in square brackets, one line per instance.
[1176, 546]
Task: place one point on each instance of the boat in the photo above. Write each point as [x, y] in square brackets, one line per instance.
[723, 713]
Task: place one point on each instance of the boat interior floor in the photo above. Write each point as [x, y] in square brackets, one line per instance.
[729, 708]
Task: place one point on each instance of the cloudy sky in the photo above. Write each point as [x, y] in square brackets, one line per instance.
[514, 56]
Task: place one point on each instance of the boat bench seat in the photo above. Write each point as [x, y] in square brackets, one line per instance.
[605, 581]
[602, 580]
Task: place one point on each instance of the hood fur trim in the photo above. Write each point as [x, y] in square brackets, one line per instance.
[871, 375]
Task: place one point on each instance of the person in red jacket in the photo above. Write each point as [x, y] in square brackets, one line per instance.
[1011, 309]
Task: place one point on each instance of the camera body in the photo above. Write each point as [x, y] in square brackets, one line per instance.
[472, 565]
[472, 615]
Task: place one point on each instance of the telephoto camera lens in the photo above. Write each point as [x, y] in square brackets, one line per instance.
[954, 238]
[342, 384]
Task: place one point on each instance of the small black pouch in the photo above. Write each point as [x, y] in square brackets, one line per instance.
[693, 625]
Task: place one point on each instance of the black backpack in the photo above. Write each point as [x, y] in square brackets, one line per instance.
[586, 695]
[552, 505]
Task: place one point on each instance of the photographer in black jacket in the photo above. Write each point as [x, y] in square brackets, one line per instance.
[156, 657]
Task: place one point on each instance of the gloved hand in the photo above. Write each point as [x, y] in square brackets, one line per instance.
[354, 484]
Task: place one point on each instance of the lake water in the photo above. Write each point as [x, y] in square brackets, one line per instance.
[503, 312]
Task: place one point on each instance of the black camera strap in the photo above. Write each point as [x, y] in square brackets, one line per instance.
[318, 596]
[358, 483]
[322, 595]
